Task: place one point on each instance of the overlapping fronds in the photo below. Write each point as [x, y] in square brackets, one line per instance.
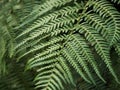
[56, 34]
[16, 79]
[116, 1]
[54, 37]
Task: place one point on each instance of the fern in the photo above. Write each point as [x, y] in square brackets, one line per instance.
[105, 9]
[48, 5]
[117, 48]
[100, 45]
[53, 38]
[86, 52]
[2, 52]
[16, 79]
[116, 1]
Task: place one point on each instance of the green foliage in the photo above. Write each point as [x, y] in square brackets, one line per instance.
[58, 41]
[16, 79]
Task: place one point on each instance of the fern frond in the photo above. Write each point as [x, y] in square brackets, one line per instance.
[8, 36]
[23, 8]
[16, 79]
[74, 64]
[43, 60]
[41, 9]
[46, 29]
[84, 50]
[52, 16]
[2, 52]
[52, 41]
[98, 23]
[46, 52]
[25, 45]
[52, 77]
[66, 70]
[117, 48]
[116, 1]
[99, 44]
[112, 16]
[78, 57]
[54, 37]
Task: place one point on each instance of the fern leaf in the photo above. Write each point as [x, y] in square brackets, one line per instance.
[67, 72]
[84, 50]
[49, 28]
[41, 9]
[112, 16]
[116, 1]
[49, 50]
[74, 64]
[51, 80]
[41, 61]
[2, 52]
[117, 48]
[98, 23]
[99, 44]
[43, 45]
[41, 21]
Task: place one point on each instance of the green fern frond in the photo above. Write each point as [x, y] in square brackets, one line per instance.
[112, 16]
[52, 41]
[51, 17]
[58, 41]
[116, 1]
[117, 48]
[100, 45]
[2, 53]
[84, 50]
[25, 45]
[98, 23]
[66, 70]
[46, 29]
[52, 78]
[8, 36]
[43, 60]
[76, 56]
[42, 9]
[23, 8]
[74, 64]
[16, 79]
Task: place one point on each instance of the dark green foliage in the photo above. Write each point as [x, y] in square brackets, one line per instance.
[56, 42]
